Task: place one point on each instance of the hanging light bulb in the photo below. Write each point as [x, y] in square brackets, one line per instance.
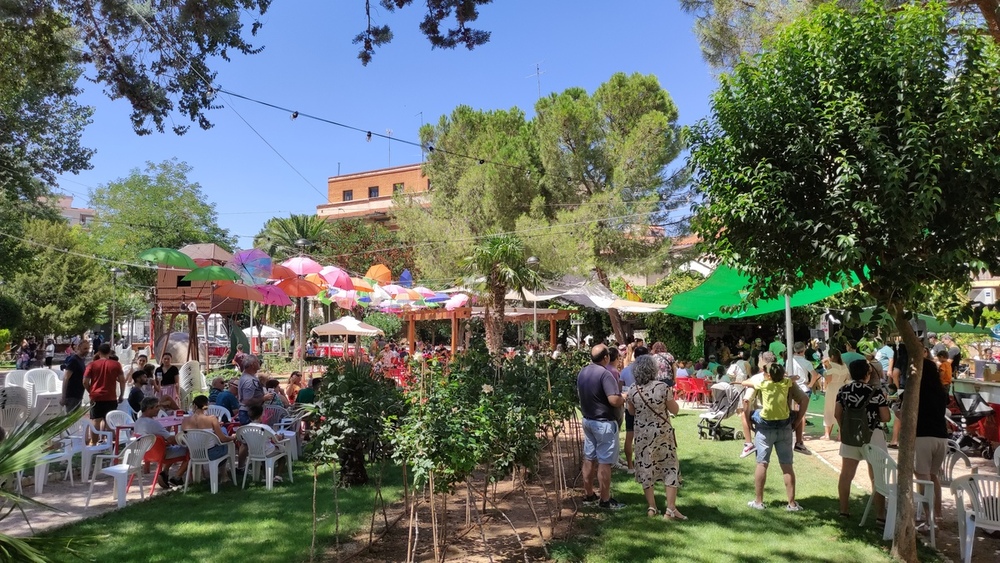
[481, 161]
[295, 115]
[368, 136]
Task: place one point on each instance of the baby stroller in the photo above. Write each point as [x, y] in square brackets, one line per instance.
[710, 425]
[969, 417]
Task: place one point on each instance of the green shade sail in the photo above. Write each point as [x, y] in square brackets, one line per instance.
[725, 288]
[933, 325]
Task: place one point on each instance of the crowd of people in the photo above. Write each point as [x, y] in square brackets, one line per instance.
[633, 387]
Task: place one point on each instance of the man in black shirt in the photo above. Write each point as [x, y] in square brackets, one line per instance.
[136, 395]
[931, 443]
[600, 395]
[73, 368]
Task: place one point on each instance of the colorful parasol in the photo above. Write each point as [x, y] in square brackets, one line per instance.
[406, 279]
[168, 257]
[423, 291]
[297, 287]
[456, 301]
[279, 272]
[253, 266]
[303, 265]
[211, 273]
[379, 273]
[361, 285]
[346, 299]
[239, 291]
[273, 295]
[335, 277]
[317, 279]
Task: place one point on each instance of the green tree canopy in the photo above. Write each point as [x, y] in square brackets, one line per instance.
[155, 207]
[587, 185]
[40, 123]
[61, 292]
[884, 155]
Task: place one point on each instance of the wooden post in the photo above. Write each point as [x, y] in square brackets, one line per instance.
[166, 336]
[411, 335]
[454, 333]
[553, 333]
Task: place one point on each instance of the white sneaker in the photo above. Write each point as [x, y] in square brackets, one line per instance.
[756, 505]
[748, 449]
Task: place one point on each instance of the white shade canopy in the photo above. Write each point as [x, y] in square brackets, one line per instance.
[346, 326]
[263, 331]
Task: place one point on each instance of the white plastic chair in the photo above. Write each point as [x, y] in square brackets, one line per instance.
[12, 416]
[198, 443]
[278, 418]
[13, 396]
[40, 381]
[256, 437]
[951, 460]
[984, 496]
[220, 412]
[15, 378]
[114, 419]
[68, 449]
[884, 469]
[190, 381]
[46, 406]
[78, 433]
[124, 471]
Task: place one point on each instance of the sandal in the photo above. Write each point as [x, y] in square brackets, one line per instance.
[673, 514]
[652, 512]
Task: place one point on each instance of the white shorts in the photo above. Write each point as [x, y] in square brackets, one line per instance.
[855, 452]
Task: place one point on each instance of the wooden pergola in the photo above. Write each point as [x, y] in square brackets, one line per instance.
[511, 314]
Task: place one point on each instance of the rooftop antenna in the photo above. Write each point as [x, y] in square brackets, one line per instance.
[538, 76]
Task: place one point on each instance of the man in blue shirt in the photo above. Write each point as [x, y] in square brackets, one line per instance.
[628, 381]
[227, 398]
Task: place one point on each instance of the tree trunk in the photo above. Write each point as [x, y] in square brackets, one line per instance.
[904, 541]
[616, 319]
[990, 10]
[494, 320]
[352, 462]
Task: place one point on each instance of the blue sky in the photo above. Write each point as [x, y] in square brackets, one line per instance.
[310, 64]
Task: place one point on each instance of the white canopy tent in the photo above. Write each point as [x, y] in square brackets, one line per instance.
[589, 293]
[263, 331]
[347, 326]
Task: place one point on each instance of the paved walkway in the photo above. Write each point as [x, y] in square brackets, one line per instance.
[987, 549]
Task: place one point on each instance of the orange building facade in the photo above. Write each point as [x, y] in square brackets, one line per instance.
[368, 195]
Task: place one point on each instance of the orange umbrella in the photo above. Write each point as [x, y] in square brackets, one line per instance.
[379, 273]
[239, 291]
[317, 279]
[297, 287]
[361, 285]
[279, 272]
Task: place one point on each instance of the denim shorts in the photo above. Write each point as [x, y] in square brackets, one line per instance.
[600, 441]
[243, 416]
[215, 452]
[779, 439]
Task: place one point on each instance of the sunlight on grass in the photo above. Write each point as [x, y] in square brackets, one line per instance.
[234, 525]
[717, 486]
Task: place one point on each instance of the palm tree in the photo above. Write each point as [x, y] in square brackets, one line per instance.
[279, 234]
[20, 451]
[499, 261]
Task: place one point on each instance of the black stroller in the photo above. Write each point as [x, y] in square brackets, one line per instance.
[971, 410]
[710, 425]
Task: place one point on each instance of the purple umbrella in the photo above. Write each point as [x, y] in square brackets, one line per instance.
[273, 295]
[253, 266]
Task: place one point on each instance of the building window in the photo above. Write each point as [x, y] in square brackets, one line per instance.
[373, 191]
[348, 195]
[397, 188]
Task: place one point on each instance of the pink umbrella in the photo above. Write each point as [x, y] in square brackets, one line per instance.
[423, 291]
[456, 301]
[336, 277]
[393, 289]
[273, 295]
[346, 299]
[302, 265]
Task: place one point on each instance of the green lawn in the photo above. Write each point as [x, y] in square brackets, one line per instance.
[721, 528]
[235, 525]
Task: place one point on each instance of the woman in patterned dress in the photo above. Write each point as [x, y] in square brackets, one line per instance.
[652, 403]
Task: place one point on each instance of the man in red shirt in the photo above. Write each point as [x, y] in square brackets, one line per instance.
[100, 379]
